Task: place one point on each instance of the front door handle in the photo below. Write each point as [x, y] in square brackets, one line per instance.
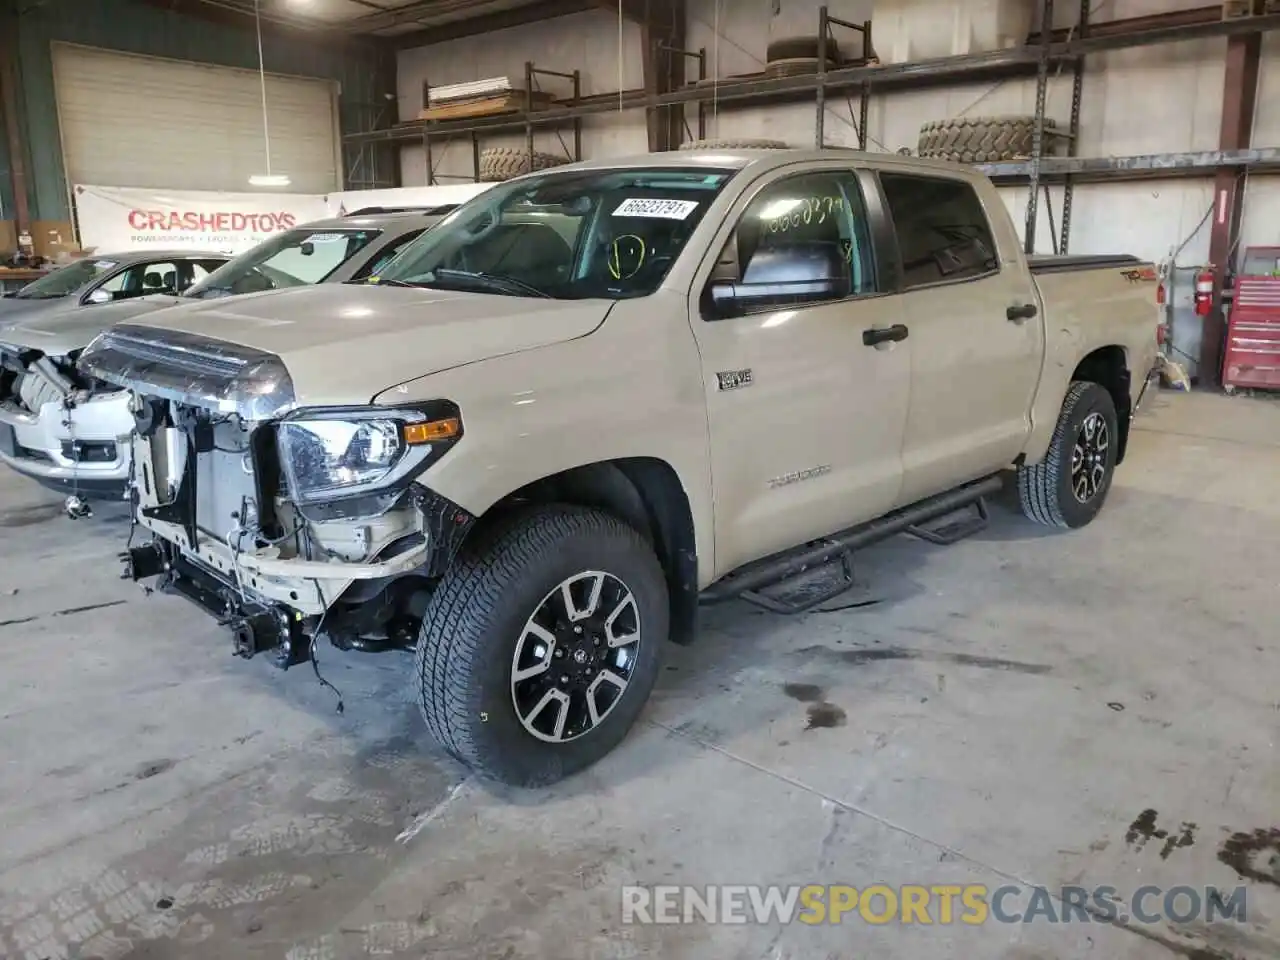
[1021, 311]
[884, 334]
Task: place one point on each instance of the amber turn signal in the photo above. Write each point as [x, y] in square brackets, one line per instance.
[432, 431]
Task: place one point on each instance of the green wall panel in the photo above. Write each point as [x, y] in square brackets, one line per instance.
[6, 177]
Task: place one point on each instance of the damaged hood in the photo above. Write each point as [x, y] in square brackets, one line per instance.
[64, 326]
[331, 344]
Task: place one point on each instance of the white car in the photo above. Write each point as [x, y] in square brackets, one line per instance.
[69, 433]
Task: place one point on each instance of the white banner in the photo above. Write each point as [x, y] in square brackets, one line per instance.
[117, 219]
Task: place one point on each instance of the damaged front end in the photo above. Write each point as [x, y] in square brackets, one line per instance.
[284, 522]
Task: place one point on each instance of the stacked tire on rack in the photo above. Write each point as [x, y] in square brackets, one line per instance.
[798, 57]
[980, 139]
[503, 163]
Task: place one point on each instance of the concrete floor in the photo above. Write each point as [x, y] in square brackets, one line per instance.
[1004, 714]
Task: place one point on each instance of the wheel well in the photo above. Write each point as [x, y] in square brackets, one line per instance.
[1109, 368]
[646, 494]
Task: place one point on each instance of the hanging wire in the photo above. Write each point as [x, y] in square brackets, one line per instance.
[262, 77]
[621, 71]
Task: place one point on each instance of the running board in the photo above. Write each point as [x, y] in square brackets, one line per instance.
[747, 582]
[948, 533]
[781, 603]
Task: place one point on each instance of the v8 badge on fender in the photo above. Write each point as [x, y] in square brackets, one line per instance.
[733, 379]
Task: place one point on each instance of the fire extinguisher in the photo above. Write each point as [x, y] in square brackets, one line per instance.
[1204, 293]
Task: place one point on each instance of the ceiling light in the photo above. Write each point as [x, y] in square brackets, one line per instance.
[269, 180]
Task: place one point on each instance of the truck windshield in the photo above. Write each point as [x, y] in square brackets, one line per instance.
[294, 258]
[566, 235]
[65, 280]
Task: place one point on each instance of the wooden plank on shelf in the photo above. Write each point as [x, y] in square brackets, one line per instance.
[486, 106]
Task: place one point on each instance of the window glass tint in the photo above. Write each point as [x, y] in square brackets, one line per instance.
[942, 230]
[65, 281]
[386, 255]
[566, 235]
[202, 268]
[290, 259]
[818, 219]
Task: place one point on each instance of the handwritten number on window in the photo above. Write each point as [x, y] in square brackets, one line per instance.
[807, 212]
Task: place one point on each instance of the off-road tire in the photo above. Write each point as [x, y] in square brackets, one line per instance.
[795, 67]
[1044, 489]
[739, 144]
[800, 48]
[979, 139]
[475, 617]
[503, 163]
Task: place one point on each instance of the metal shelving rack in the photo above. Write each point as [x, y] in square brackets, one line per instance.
[1034, 59]
[432, 131]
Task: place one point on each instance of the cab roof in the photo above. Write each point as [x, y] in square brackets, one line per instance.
[763, 160]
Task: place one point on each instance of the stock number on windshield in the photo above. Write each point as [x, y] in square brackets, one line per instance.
[807, 211]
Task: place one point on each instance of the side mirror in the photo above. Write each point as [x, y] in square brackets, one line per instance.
[790, 274]
[100, 296]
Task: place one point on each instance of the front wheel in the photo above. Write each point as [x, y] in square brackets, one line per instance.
[1068, 487]
[541, 644]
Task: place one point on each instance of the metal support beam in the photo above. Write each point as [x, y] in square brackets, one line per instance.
[1239, 95]
[488, 23]
[1037, 136]
[1077, 93]
[274, 23]
[820, 95]
[662, 33]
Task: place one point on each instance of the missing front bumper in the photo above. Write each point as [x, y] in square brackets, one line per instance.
[255, 626]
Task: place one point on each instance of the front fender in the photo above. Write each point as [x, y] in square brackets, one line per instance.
[632, 389]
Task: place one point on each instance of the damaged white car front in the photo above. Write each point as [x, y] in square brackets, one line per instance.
[284, 522]
[60, 427]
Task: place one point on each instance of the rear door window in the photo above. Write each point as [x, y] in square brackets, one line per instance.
[943, 233]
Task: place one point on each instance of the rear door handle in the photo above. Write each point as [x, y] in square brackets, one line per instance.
[884, 334]
[1021, 311]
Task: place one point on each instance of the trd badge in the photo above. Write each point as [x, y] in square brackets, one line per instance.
[733, 379]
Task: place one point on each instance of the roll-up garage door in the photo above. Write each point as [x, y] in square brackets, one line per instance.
[134, 121]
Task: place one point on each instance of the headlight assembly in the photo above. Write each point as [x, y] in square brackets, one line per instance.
[340, 453]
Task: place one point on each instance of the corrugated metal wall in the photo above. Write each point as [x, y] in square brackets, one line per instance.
[134, 27]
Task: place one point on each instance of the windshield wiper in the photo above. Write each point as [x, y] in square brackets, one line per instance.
[490, 281]
[384, 282]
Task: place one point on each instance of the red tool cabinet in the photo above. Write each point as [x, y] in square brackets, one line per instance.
[1252, 356]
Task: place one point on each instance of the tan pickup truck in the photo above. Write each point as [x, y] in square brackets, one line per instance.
[596, 396]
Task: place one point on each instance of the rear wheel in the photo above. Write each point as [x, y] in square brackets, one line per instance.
[541, 645]
[1068, 487]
